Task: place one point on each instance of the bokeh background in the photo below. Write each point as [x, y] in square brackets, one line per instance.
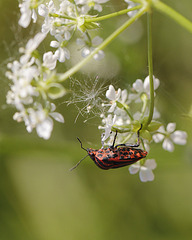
[41, 200]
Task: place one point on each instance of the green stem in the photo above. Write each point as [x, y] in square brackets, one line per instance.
[150, 65]
[161, 7]
[79, 65]
[97, 19]
[61, 16]
[125, 108]
[145, 103]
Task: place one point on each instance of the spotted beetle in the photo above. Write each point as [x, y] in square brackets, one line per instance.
[114, 156]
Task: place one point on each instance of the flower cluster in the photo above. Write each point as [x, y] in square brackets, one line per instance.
[32, 89]
[127, 120]
[34, 81]
[62, 21]
[35, 84]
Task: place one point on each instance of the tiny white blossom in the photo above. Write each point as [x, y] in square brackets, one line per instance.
[49, 60]
[62, 52]
[109, 122]
[143, 87]
[39, 118]
[21, 91]
[45, 10]
[88, 4]
[131, 5]
[31, 45]
[170, 136]
[90, 46]
[113, 96]
[45, 128]
[145, 170]
[27, 13]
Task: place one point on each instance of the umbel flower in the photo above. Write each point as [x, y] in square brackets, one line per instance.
[170, 136]
[127, 111]
[145, 171]
[33, 87]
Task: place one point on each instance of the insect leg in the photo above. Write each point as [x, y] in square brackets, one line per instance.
[114, 140]
[131, 145]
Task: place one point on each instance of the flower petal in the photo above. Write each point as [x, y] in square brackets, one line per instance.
[150, 164]
[54, 44]
[134, 168]
[146, 174]
[45, 128]
[112, 108]
[138, 85]
[110, 94]
[168, 145]
[97, 40]
[179, 137]
[49, 60]
[171, 127]
[146, 84]
[57, 116]
[158, 137]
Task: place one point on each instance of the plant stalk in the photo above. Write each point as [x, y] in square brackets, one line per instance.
[79, 65]
[150, 66]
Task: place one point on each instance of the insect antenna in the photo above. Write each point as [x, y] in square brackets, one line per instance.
[77, 163]
[82, 158]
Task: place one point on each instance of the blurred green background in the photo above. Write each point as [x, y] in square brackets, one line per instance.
[41, 200]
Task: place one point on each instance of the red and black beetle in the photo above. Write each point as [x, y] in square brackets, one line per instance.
[114, 156]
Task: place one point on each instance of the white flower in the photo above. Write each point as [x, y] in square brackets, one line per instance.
[22, 91]
[131, 5]
[45, 128]
[143, 87]
[39, 118]
[67, 8]
[27, 12]
[113, 96]
[45, 10]
[89, 46]
[49, 60]
[61, 53]
[109, 122]
[31, 45]
[88, 4]
[145, 170]
[170, 136]
[57, 25]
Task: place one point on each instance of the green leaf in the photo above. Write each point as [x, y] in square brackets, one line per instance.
[136, 126]
[91, 25]
[146, 135]
[154, 126]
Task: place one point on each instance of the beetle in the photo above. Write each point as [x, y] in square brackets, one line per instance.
[114, 156]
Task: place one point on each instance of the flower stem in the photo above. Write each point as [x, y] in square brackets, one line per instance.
[184, 22]
[61, 16]
[79, 65]
[150, 65]
[115, 14]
